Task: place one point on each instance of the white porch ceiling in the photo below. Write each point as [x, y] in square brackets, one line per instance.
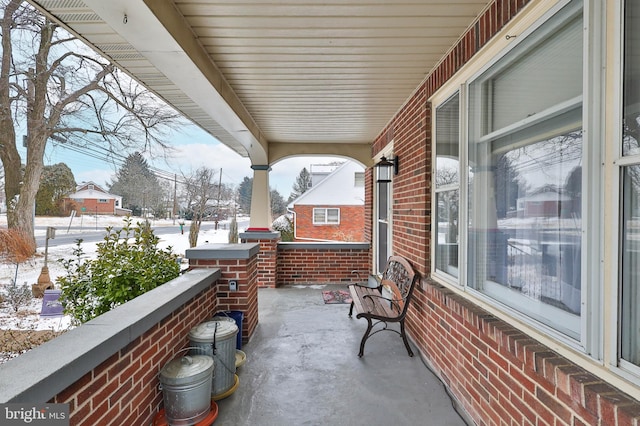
[271, 79]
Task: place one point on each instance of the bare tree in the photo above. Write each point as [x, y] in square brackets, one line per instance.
[200, 188]
[60, 89]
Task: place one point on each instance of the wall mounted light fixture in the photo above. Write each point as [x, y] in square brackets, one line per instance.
[385, 167]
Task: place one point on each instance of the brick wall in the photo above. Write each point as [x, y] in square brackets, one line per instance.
[267, 256]
[92, 206]
[499, 375]
[350, 228]
[321, 266]
[245, 299]
[123, 390]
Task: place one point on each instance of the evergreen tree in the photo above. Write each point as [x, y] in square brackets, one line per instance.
[56, 182]
[278, 204]
[244, 195]
[301, 185]
[138, 186]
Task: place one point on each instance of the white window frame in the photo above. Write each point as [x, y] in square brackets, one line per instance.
[614, 171]
[448, 275]
[378, 264]
[326, 216]
[591, 330]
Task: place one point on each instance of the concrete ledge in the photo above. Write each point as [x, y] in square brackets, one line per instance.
[259, 235]
[223, 251]
[324, 246]
[40, 374]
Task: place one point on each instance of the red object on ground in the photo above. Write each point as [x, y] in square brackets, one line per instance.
[161, 420]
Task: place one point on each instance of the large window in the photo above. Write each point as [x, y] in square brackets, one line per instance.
[515, 178]
[447, 183]
[629, 294]
[525, 180]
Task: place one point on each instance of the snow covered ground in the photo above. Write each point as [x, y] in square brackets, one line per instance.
[28, 317]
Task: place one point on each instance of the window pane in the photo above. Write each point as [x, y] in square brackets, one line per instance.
[447, 142]
[319, 216]
[630, 287]
[525, 178]
[554, 65]
[631, 126]
[447, 232]
[447, 182]
[525, 236]
[333, 216]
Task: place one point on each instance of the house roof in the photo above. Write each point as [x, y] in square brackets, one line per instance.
[92, 191]
[337, 189]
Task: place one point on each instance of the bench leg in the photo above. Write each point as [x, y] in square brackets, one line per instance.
[404, 338]
[351, 310]
[365, 337]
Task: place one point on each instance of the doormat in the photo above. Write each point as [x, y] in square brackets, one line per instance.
[336, 296]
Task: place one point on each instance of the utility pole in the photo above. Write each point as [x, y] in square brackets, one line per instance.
[175, 201]
[218, 202]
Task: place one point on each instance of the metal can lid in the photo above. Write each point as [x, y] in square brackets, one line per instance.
[205, 331]
[187, 369]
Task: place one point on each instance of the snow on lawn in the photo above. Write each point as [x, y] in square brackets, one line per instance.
[28, 317]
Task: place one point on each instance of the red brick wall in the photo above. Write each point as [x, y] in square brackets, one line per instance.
[500, 375]
[123, 390]
[245, 299]
[321, 266]
[350, 228]
[267, 258]
[92, 204]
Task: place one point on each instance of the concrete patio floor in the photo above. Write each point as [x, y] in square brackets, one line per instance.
[302, 368]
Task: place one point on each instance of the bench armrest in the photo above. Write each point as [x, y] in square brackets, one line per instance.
[391, 302]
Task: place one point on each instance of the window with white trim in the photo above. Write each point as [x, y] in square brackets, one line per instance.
[518, 172]
[326, 216]
[629, 172]
[447, 185]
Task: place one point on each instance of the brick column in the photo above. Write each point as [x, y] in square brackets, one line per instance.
[268, 256]
[237, 262]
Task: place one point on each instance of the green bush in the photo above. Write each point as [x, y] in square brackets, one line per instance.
[128, 264]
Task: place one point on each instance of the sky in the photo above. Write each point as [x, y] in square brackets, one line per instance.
[193, 148]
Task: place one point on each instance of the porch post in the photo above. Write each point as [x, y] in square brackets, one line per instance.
[260, 200]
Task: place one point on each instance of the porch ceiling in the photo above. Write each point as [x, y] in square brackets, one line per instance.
[271, 79]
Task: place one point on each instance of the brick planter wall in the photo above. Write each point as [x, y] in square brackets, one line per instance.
[107, 369]
[123, 390]
[244, 270]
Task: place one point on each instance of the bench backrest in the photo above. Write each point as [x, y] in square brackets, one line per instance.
[400, 272]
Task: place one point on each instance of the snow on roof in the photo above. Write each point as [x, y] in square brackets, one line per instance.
[337, 189]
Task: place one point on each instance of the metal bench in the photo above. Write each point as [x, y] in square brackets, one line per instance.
[387, 302]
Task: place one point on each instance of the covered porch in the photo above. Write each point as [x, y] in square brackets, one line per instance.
[303, 368]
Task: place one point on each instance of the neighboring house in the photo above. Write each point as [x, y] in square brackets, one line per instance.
[546, 202]
[333, 208]
[90, 198]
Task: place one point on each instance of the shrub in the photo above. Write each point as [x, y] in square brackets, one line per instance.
[17, 296]
[284, 224]
[121, 271]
